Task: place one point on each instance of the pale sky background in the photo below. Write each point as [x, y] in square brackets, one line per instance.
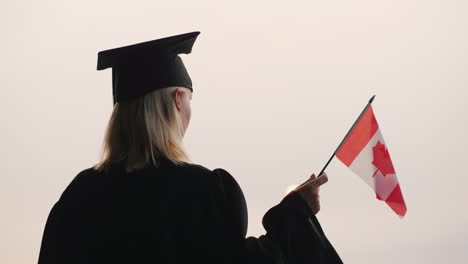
[276, 86]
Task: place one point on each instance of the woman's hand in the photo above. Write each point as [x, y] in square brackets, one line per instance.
[309, 191]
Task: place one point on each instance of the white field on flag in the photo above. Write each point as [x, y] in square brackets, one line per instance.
[366, 154]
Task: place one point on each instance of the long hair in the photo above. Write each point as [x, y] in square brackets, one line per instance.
[142, 130]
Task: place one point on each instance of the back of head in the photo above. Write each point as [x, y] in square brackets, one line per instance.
[143, 130]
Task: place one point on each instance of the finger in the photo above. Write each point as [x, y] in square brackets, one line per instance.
[321, 180]
[312, 177]
[323, 173]
[300, 186]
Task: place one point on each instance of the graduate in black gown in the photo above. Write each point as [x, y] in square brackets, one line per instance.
[145, 202]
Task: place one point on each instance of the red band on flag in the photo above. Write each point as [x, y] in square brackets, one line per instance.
[358, 138]
[396, 201]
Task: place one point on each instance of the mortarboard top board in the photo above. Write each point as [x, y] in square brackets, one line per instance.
[141, 68]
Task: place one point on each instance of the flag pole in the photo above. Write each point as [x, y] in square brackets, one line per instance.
[347, 134]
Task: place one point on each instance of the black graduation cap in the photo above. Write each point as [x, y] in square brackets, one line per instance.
[141, 68]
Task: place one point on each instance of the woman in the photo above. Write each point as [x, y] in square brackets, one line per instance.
[145, 202]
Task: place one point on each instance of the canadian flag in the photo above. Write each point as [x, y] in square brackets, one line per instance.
[365, 153]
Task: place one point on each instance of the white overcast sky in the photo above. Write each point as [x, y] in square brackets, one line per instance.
[276, 86]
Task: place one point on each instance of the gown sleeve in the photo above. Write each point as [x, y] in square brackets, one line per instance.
[48, 250]
[67, 235]
[293, 233]
[64, 236]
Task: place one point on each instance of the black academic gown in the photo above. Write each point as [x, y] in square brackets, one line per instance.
[175, 214]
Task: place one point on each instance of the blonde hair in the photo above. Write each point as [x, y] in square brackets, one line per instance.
[144, 129]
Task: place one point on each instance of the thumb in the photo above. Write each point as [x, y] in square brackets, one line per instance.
[311, 178]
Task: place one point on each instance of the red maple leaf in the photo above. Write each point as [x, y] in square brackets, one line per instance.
[382, 159]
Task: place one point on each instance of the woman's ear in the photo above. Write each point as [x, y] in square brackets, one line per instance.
[177, 98]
